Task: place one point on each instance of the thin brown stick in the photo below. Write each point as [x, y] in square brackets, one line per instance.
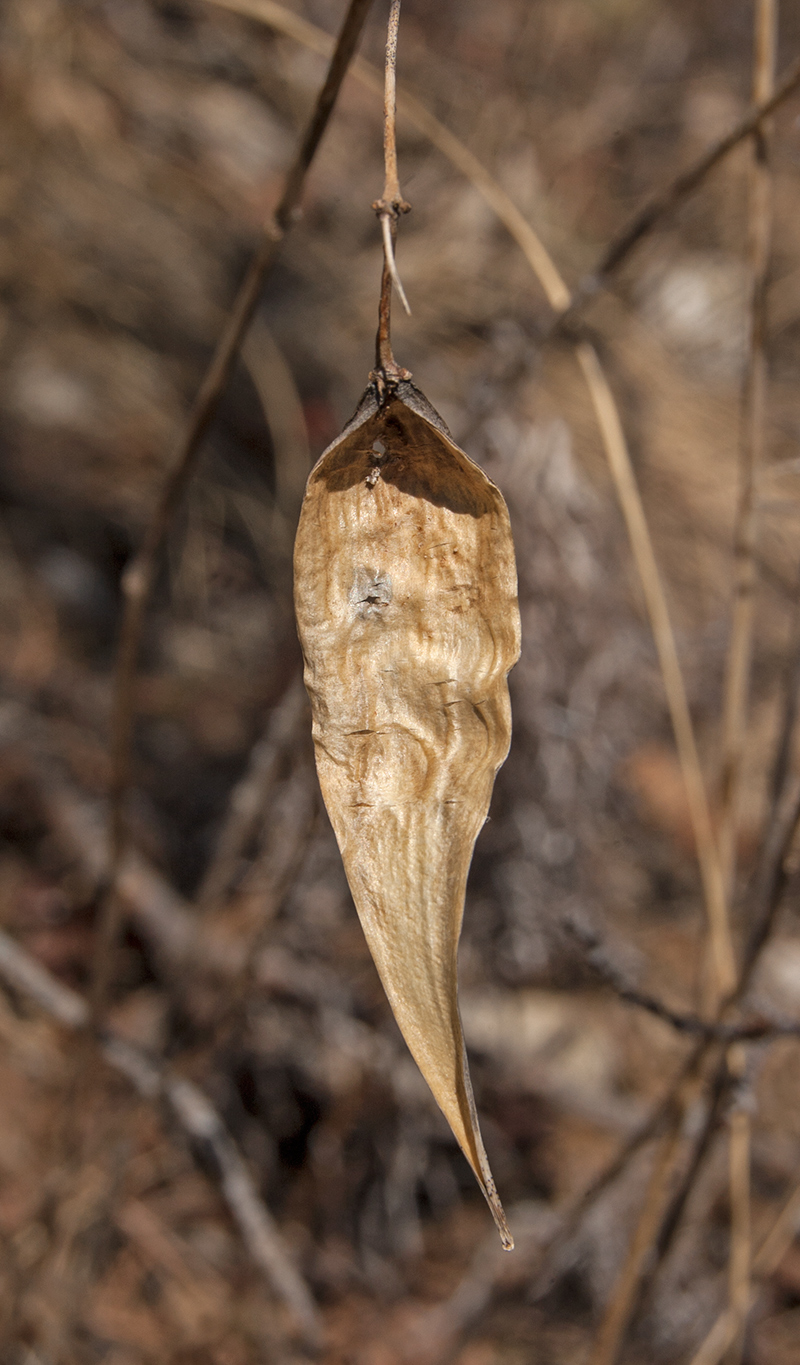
[751, 454]
[139, 575]
[740, 651]
[662, 204]
[740, 1251]
[197, 1117]
[388, 208]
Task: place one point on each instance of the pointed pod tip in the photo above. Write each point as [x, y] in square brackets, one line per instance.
[499, 1216]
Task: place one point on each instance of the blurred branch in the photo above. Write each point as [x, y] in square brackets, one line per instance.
[740, 651]
[196, 1115]
[672, 195]
[740, 1253]
[139, 575]
[751, 452]
[599, 960]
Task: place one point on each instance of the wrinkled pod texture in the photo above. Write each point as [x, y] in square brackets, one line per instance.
[406, 601]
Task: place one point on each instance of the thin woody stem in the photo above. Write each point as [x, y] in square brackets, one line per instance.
[388, 209]
[391, 188]
[751, 454]
[139, 576]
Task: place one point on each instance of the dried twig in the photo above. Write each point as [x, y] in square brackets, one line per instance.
[196, 1115]
[675, 192]
[739, 662]
[597, 958]
[751, 450]
[740, 1248]
[388, 208]
[139, 575]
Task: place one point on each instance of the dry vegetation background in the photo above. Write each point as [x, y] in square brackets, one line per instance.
[142, 144]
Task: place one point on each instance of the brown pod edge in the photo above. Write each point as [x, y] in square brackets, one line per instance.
[406, 601]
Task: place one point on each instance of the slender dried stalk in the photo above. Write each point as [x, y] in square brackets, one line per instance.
[740, 652]
[754, 401]
[139, 575]
[388, 208]
[740, 1252]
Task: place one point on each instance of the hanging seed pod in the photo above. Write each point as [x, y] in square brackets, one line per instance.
[406, 600]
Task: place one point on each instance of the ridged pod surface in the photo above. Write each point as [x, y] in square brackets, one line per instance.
[406, 601]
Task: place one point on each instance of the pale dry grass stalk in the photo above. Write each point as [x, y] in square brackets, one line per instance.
[139, 576]
[740, 651]
[751, 453]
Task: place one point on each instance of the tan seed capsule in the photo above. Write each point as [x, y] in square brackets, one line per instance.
[406, 600]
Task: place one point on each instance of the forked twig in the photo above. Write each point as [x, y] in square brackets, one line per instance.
[139, 576]
[196, 1115]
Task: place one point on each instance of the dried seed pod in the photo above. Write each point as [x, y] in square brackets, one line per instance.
[406, 600]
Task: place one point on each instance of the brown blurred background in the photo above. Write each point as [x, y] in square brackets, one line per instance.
[142, 144]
